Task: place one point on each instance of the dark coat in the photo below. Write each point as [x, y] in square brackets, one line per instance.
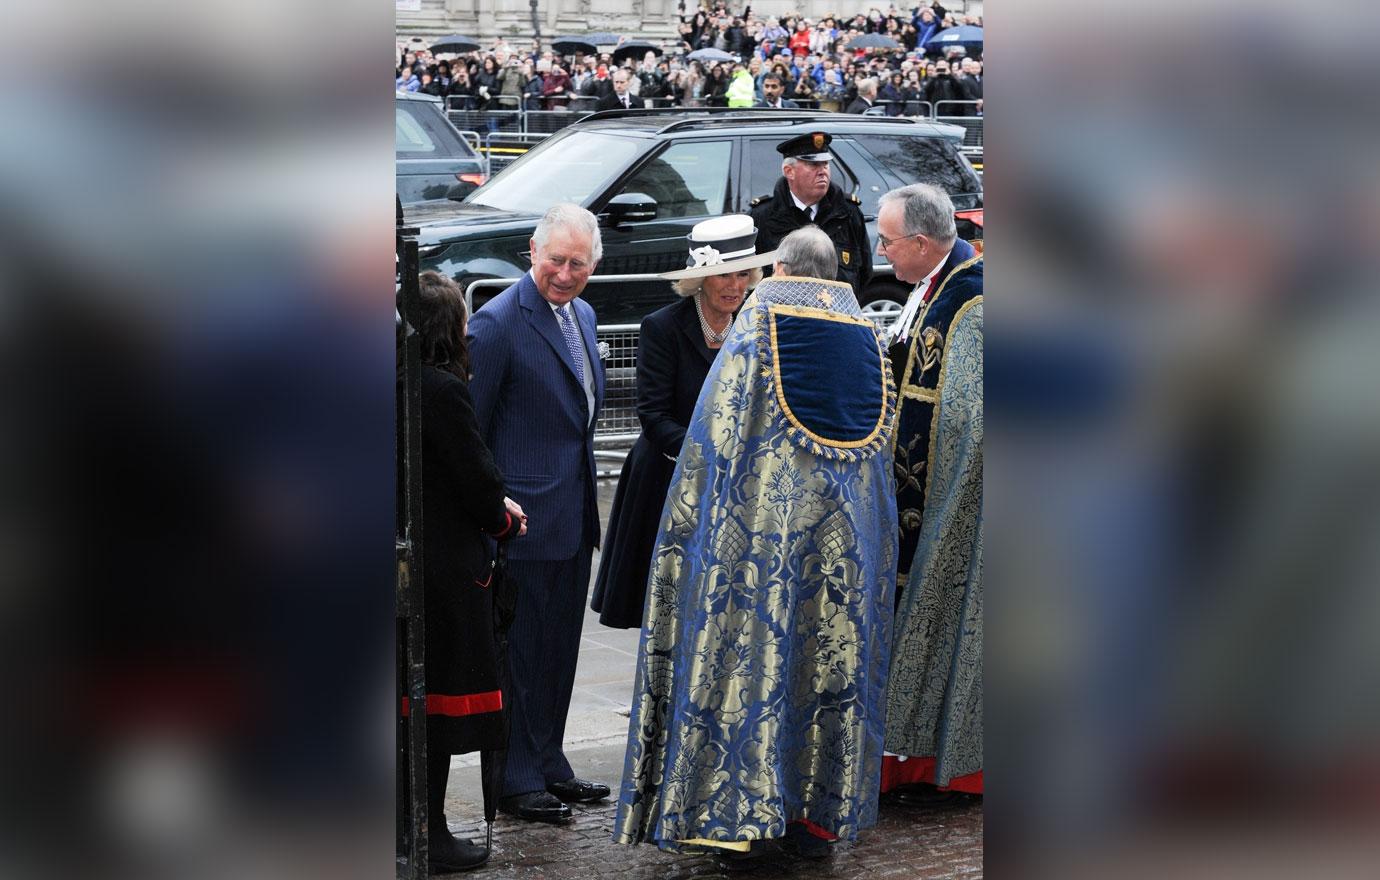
[776, 216]
[611, 101]
[941, 88]
[672, 361]
[859, 105]
[462, 502]
[895, 98]
[534, 415]
[786, 104]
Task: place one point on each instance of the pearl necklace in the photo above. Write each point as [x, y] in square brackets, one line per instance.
[709, 334]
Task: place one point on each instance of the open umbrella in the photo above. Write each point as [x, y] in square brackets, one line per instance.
[454, 43]
[571, 45]
[968, 36]
[873, 41]
[711, 55]
[635, 49]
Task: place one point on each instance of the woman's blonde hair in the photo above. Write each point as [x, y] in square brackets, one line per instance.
[692, 286]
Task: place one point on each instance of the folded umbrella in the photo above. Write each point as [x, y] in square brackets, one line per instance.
[493, 762]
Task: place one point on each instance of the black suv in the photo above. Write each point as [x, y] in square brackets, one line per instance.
[652, 175]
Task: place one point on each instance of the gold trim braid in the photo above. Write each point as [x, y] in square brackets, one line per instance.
[769, 356]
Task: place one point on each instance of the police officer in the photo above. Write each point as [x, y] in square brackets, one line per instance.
[805, 195]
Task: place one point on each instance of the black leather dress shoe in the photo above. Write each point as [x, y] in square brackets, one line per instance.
[807, 846]
[447, 854]
[925, 795]
[535, 806]
[733, 861]
[579, 791]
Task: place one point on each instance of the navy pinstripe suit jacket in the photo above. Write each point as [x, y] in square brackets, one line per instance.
[535, 418]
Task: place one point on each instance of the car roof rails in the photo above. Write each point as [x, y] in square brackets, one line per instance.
[706, 116]
[789, 117]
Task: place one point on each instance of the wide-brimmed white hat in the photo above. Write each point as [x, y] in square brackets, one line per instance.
[722, 245]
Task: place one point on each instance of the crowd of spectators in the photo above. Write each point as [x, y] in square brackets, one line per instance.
[812, 59]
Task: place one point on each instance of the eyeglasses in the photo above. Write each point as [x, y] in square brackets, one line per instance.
[888, 242]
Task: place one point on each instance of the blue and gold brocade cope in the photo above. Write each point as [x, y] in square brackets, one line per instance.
[761, 677]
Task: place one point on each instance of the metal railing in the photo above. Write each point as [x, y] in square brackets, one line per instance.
[502, 149]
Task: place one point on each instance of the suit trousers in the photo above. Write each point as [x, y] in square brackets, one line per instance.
[543, 647]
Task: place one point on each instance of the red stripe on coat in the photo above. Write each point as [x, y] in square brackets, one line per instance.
[458, 705]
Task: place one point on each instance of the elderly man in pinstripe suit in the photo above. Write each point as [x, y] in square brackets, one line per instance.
[537, 386]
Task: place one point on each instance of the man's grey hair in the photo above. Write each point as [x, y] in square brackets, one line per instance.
[569, 215]
[808, 253]
[867, 87]
[927, 210]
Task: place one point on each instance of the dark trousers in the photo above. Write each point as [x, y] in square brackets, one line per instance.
[543, 646]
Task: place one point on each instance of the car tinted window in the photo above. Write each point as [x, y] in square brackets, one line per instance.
[764, 168]
[409, 136]
[423, 131]
[561, 169]
[921, 160]
[689, 179]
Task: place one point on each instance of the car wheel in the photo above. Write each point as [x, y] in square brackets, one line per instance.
[882, 306]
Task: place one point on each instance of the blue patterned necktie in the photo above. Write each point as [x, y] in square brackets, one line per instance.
[572, 341]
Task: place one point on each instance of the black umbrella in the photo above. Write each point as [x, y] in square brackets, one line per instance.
[454, 43]
[635, 49]
[873, 41]
[586, 43]
[571, 45]
[493, 762]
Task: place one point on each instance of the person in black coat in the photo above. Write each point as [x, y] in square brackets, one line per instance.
[675, 349]
[614, 99]
[488, 82]
[806, 194]
[866, 99]
[464, 507]
[943, 87]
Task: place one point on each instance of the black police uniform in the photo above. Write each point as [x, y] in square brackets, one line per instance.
[776, 216]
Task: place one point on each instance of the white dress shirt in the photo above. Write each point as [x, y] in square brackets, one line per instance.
[812, 209]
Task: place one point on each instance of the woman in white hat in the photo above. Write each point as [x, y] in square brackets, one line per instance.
[675, 349]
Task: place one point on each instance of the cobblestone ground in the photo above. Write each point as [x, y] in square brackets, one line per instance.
[907, 842]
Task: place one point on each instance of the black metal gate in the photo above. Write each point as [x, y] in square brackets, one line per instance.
[412, 830]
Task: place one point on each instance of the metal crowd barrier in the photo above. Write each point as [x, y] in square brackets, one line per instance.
[971, 124]
[502, 149]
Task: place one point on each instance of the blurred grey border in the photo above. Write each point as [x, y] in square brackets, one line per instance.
[1183, 432]
[197, 263]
